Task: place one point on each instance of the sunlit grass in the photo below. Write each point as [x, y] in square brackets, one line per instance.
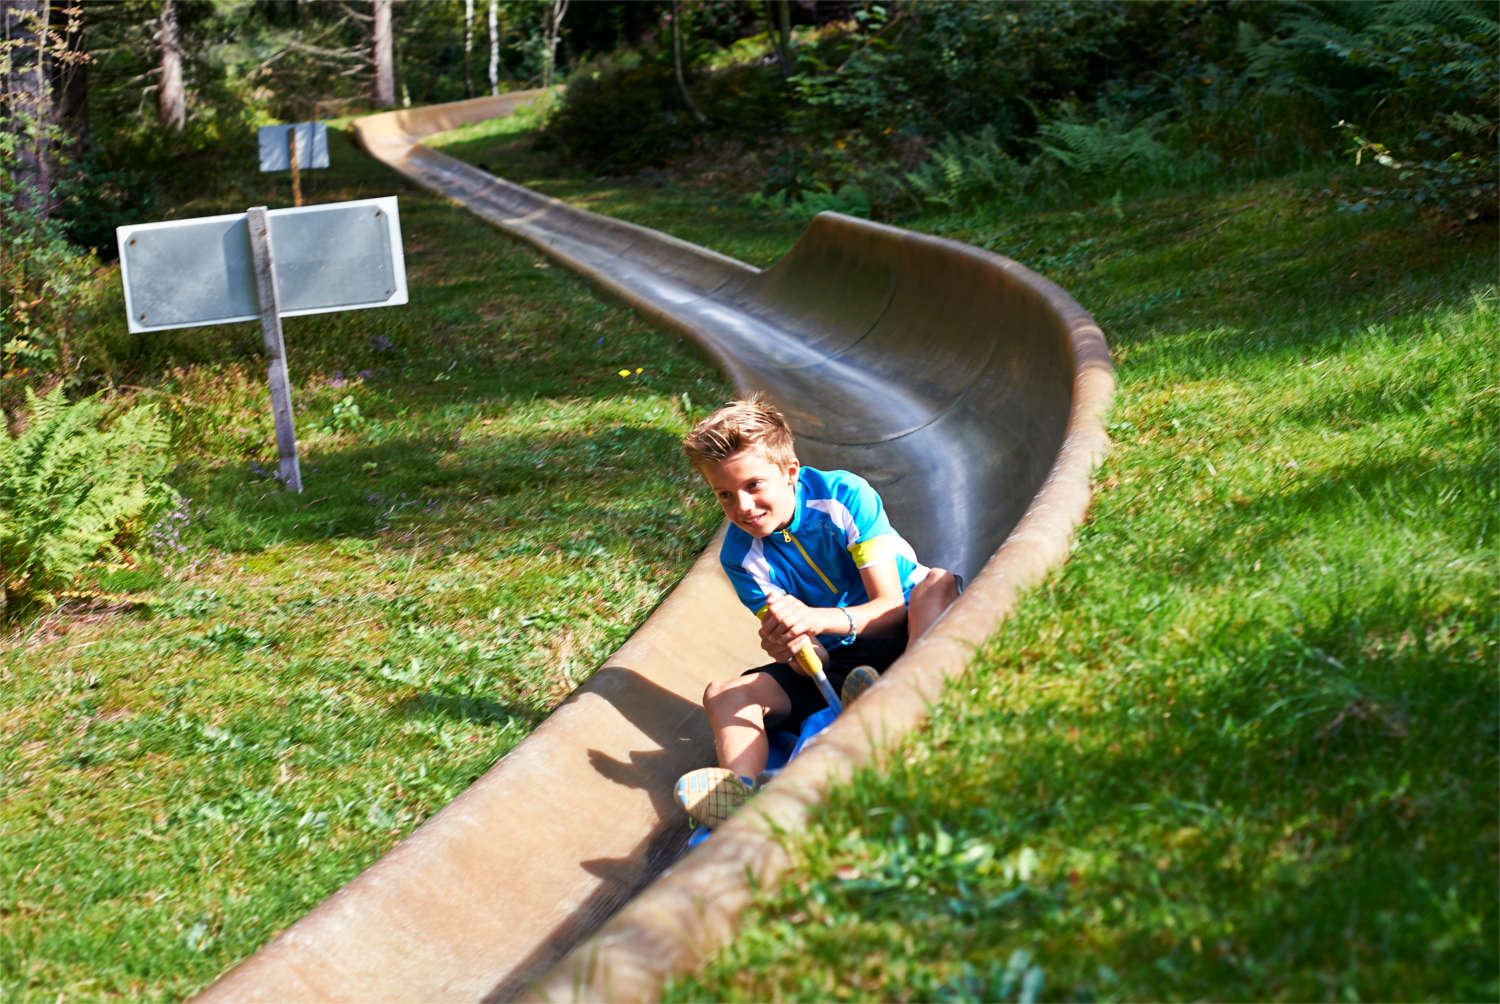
[285, 685]
[676, 205]
[1243, 745]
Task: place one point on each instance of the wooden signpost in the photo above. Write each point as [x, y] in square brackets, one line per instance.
[264, 264]
[270, 326]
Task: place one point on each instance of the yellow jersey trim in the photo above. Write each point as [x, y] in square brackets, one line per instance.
[873, 551]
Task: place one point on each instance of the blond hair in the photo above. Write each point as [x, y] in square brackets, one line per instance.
[753, 423]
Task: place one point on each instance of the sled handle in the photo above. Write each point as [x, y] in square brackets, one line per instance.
[814, 666]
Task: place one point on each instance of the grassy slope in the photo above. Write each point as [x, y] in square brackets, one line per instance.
[1244, 745]
[297, 682]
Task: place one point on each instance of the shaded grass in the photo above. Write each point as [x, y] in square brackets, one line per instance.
[1243, 745]
[283, 686]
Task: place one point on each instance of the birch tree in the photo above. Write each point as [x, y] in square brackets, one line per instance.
[468, 45]
[494, 26]
[384, 55]
[556, 9]
[171, 97]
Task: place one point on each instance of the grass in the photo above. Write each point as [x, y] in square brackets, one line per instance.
[1243, 745]
[282, 686]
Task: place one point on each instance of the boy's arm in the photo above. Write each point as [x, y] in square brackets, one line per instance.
[788, 620]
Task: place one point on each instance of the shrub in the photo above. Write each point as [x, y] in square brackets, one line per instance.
[1108, 154]
[617, 118]
[93, 199]
[1421, 76]
[1438, 63]
[965, 170]
[74, 486]
[747, 101]
[1088, 158]
[851, 200]
[47, 284]
[1459, 185]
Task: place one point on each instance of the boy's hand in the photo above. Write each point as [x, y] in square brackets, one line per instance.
[787, 625]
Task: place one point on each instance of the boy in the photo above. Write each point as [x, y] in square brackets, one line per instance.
[813, 555]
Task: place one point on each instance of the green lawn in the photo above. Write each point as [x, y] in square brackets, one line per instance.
[1241, 746]
[284, 686]
[1246, 743]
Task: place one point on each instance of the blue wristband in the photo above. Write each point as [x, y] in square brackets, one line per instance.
[848, 638]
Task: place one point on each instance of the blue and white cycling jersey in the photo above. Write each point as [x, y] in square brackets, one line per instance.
[839, 527]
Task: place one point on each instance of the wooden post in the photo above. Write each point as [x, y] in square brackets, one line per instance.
[270, 325]
[291, 149]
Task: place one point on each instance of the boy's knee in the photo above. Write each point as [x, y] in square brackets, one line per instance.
[736, 690]
[715, 691]
[723, 698]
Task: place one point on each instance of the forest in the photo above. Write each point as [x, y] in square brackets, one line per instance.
[1241, 746]
[111, 105]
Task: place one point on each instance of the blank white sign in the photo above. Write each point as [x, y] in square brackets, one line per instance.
[312, 146]
[187, 273]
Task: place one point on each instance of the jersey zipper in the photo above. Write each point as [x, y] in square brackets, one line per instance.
[787, 536]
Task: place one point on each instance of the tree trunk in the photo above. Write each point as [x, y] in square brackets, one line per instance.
[385, 61]
[784, 35]
[771, 38]
[494, 24]
[555, 11]
[468, 45]
[29, 115]
[68, 72]
[171, 98]
[687, 99]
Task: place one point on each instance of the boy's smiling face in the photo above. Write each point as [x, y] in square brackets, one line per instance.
[757, 495]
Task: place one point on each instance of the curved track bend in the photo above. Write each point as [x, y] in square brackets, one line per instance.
[969, 390]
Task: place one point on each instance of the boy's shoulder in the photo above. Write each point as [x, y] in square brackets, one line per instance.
[830, 484]
[844, 489]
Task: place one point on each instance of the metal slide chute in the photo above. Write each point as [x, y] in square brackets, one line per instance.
[969, 390]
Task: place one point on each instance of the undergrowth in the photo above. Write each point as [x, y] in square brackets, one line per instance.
[220, 728]
[72, 484]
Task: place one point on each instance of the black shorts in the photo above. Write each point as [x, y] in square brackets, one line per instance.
[807, 699]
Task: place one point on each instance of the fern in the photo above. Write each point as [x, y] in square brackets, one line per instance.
[1106, 150]
[964, 170]
[850, 199]
[1460, 16]
[71, 486]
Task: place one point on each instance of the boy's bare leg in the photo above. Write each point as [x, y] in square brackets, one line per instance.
[929, 598]
[737, 712]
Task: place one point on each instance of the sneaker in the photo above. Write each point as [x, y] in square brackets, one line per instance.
[859, 680]
[711, 794]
